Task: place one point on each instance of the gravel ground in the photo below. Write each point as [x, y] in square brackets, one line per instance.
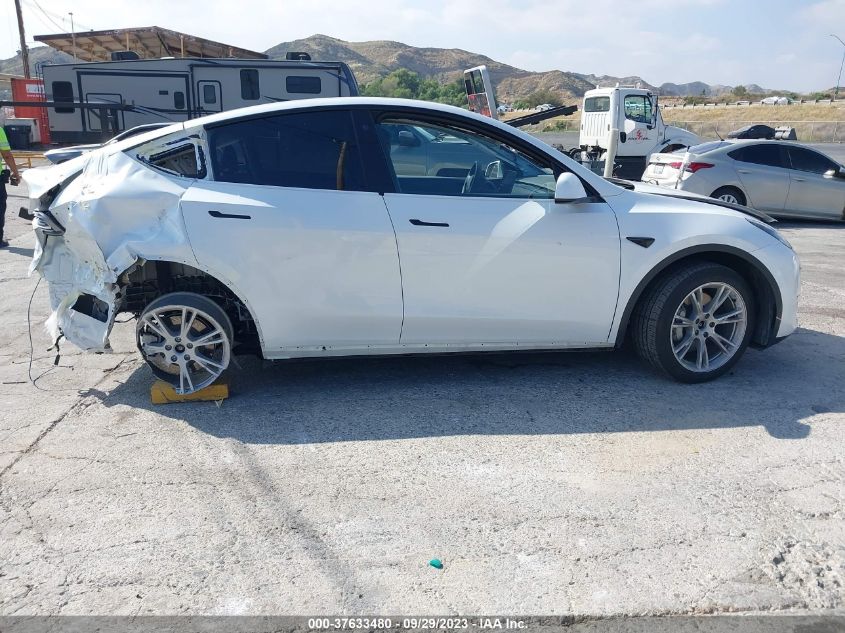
[574, 483]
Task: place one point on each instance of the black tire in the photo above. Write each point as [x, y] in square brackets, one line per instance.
[730, 191]
[653, 318]
[209, 315]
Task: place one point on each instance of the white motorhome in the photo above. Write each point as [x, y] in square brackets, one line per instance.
[154, 90]
[634, 112]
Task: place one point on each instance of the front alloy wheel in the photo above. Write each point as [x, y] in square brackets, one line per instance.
[186, 340]
[695, 322]
[709, 327]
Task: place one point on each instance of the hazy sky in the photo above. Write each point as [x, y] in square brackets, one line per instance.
[775, 43]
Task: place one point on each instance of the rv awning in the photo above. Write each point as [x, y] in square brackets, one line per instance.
[150, 42]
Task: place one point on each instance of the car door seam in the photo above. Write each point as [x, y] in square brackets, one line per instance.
[619, 270]
[399, 261]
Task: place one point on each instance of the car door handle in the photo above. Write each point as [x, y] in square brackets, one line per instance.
[799, 180]
[744, 171]
[416, 222]
[231, 216]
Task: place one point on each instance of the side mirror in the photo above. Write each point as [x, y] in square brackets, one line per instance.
[835, 173]
[568, 188]
[406, 139]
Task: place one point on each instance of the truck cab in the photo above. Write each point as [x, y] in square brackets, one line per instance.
[634, 112]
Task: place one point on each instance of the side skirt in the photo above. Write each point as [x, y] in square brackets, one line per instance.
[421, 350]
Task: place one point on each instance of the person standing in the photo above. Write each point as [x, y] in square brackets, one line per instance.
[7, 174]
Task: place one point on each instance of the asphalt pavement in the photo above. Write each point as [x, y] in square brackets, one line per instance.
[577, 483]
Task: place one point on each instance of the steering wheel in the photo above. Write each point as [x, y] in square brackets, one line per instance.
[469, 181]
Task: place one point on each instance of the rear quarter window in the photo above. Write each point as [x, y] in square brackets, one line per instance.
[597, 104]
[175, 154]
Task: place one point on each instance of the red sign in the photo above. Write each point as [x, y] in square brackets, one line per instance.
[31, 90]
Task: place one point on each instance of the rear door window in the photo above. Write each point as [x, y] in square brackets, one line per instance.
[312, 150]
[807, 160]
[768, 154]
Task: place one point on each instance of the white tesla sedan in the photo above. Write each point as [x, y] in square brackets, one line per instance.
[363, 226]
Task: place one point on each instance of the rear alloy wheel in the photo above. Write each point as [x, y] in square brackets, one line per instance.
[696, 323]
[186, 340]
[729, 194]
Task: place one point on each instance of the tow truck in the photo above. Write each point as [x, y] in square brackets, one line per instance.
[620, 126]
[482, 100]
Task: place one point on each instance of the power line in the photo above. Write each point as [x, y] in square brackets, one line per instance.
[50, 15]
[41, 21]
[28, 4]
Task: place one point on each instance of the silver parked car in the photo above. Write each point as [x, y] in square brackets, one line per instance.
[783, 179]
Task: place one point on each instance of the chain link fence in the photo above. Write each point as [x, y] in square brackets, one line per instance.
[807, 131]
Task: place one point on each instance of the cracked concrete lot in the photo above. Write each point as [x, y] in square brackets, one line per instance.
[548, 484]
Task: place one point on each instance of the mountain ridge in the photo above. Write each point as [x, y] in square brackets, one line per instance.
[373, 59]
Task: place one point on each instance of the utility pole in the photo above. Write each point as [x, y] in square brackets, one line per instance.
[72, 34]
[839, 79]
[24, 50]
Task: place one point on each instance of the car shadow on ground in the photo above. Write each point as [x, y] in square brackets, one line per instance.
[298, 402]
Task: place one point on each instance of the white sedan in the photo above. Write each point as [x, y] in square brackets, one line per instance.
[320, 228]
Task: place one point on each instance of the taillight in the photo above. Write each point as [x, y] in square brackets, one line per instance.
[692, 167]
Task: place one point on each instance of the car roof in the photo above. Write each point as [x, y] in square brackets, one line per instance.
[731, 144]
[602, 186]
[335, 102]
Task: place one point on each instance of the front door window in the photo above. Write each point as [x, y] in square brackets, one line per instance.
[437, 159]
[638, 108]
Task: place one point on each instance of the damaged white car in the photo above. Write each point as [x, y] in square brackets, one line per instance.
[361, 226]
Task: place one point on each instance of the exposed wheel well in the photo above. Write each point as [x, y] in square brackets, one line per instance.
[148, 280]
[766, 293]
